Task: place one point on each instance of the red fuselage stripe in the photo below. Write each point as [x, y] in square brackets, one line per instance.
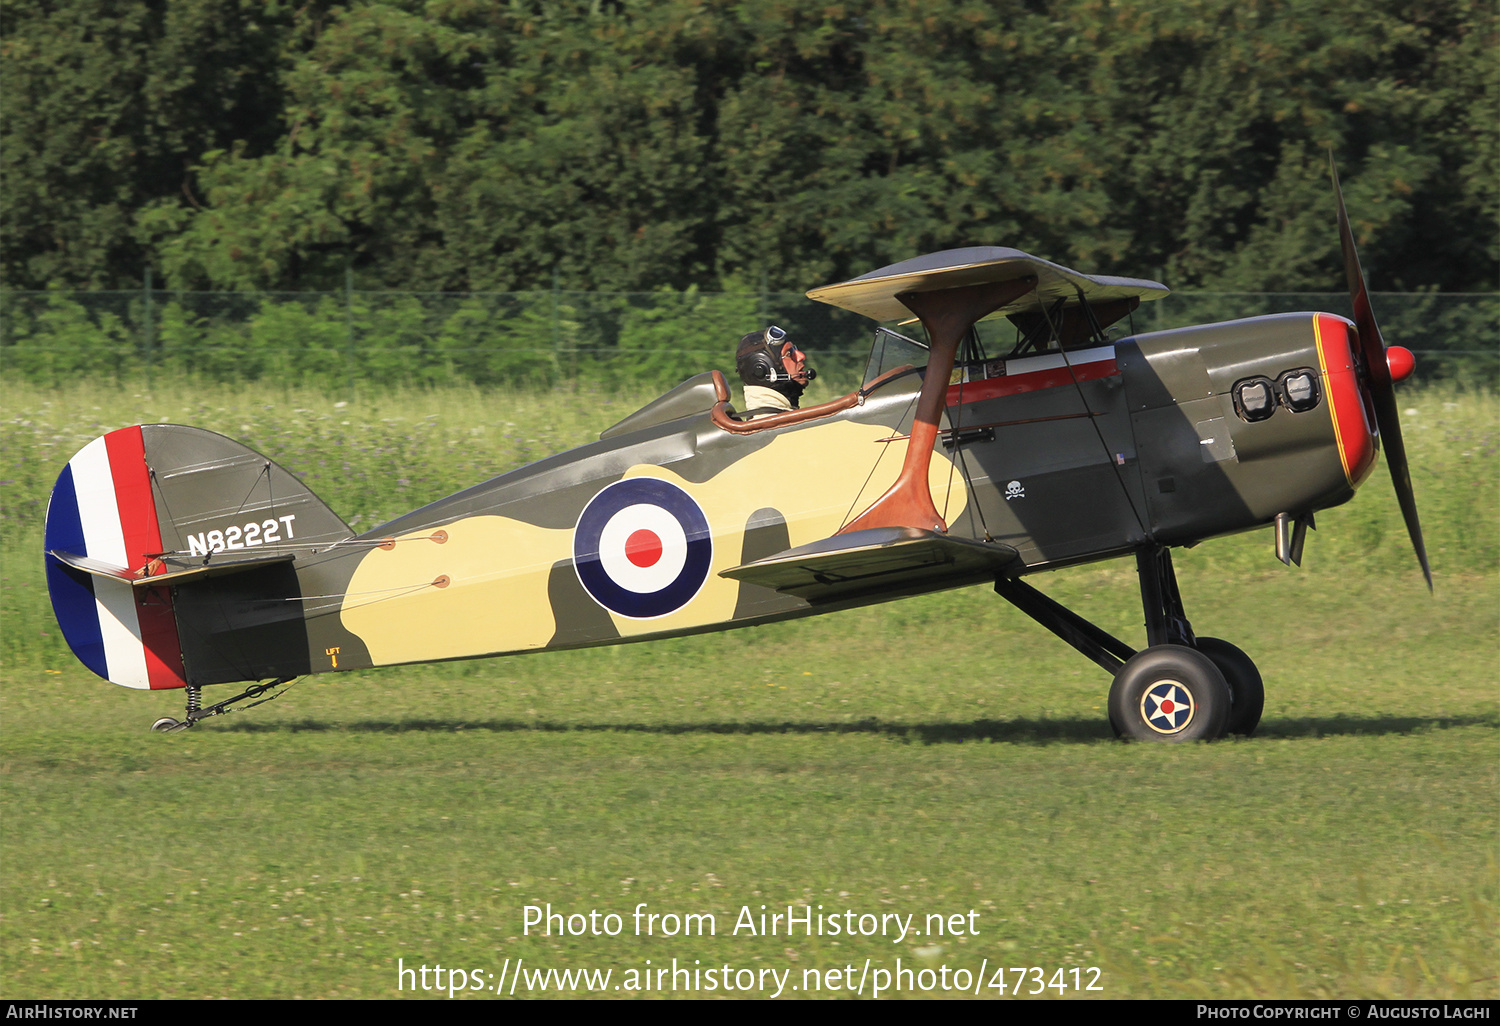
[1032, 381]
[138, 523]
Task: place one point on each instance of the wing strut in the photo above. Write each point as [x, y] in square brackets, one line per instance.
[947, 314]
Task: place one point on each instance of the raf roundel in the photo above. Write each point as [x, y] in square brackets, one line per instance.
[642, 548]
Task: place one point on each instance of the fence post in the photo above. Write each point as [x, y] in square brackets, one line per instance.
[147, 328]
[349, 321]
[556, 323]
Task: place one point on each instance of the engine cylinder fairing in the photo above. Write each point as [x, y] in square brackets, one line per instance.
[1348, 400]
[1241, 421]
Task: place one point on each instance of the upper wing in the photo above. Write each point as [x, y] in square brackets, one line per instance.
[874, 294]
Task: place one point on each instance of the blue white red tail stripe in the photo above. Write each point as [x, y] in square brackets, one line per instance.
[72, 593]
[102, 507]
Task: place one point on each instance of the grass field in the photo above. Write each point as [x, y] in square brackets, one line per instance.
[938, 755]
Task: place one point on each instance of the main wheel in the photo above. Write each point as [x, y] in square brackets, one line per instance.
[1169, 693]
[1246, 688]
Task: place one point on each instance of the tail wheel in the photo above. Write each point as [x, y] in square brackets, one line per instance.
[1169, 693]
[1247, 691]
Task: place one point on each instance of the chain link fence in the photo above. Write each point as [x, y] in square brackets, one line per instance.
[539, 339]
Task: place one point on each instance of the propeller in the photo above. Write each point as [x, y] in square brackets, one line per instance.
[1377, 366]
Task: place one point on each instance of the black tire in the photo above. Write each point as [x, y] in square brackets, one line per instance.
[1169, 693]
[1247, 690]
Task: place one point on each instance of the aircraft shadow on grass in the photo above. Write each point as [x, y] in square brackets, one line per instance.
[1019, 731]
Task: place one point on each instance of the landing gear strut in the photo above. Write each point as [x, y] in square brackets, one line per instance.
[196, 712]
[1181, 688]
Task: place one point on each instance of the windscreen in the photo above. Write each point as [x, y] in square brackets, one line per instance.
[891, 350]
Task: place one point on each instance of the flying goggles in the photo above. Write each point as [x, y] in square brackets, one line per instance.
[776, 337]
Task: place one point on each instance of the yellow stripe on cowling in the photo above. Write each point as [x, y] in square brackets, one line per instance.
[1333, 410]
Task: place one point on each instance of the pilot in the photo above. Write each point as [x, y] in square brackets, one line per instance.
[773, 371]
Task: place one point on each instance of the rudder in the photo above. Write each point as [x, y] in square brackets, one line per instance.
[178, 503]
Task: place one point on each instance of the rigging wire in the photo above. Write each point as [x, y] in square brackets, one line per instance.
[265, 471]
[849, 513]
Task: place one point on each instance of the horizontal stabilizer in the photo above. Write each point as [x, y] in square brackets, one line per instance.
[182, 575]
[874, 560]
[173, 575]
[93, 566]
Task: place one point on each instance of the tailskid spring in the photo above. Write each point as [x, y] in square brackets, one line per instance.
[196, 711]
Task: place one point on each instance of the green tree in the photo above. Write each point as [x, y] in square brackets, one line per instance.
[462, 145]
[1218, 118]
[453, 146]
[104, 108]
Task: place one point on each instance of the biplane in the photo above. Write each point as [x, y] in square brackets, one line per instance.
[178, 558]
